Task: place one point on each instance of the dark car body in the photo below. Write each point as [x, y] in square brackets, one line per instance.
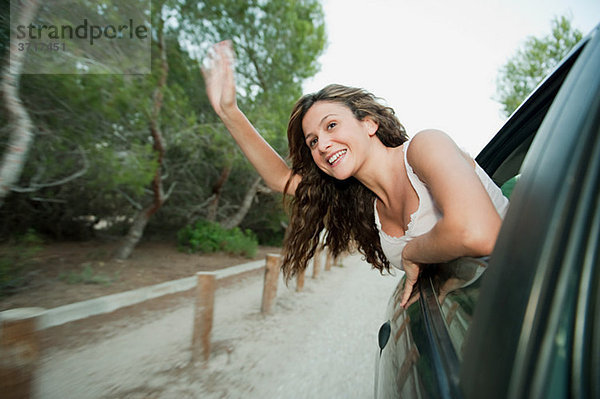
[524, 323]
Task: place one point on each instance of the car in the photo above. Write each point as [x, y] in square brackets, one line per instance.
[524, 322]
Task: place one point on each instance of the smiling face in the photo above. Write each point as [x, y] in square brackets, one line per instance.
[351, 112]
[337, 140]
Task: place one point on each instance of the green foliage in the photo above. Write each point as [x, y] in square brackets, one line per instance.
[92, 125]
[99, 124]
[207, 237]
[268, 221]
[86, 276]
[133, 169]
[277, 46]
[533, 62]
[16, 258]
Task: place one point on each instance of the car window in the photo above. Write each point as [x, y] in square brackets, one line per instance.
[456, 285]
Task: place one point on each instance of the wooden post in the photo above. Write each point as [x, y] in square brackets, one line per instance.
[317, 262]
[328, 261]
[19, 351]
[271, 279]
[300, 281]
[203, 316]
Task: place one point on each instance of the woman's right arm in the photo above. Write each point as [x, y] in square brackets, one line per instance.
[220, 87]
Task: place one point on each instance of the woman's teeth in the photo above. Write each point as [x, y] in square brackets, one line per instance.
[335, 156]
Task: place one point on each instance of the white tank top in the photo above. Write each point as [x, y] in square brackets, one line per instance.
[427, 214]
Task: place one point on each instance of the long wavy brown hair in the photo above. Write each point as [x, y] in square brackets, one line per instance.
[344, 209]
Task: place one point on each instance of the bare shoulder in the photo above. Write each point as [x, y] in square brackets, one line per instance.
[431, 145]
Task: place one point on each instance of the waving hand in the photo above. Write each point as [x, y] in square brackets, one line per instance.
[220, 88]
[219, 77]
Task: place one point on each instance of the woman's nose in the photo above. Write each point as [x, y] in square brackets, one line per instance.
[324, 143]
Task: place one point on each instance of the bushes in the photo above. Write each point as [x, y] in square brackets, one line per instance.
[86, 276]
[209, 237]
[16, 258]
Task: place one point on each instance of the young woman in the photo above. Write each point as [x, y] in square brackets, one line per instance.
[356, 175]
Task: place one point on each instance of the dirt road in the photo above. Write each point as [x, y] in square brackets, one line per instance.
[319, 343]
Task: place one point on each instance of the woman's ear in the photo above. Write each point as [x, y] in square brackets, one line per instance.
[371, 125]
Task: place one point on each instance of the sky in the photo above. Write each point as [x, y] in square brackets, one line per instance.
[434, 61]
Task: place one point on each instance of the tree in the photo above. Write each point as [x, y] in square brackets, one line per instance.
[533, 62]
[21, 135]
[277, 45]
[136, 230]
[90, 146]
[91, 126]
[101, 128]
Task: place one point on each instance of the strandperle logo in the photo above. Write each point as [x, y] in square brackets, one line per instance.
[81, 37]
[83, 31]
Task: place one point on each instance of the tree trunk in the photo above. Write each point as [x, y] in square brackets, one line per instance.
[133, 235]
[213, 207]
[136, 231]
[21, 135]
[236, 219]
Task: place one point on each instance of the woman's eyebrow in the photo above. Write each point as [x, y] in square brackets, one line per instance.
[320, 123]
[325, 117]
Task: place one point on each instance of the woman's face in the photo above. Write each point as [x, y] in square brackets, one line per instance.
[338, 142]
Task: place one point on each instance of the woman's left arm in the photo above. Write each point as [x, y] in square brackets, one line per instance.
[469, 224]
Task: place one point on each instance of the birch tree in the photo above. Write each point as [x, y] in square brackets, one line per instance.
[21, 127]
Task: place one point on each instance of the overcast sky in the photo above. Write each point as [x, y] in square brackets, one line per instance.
[434, 61]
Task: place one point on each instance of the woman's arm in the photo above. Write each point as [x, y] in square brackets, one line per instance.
[220, 87]
[469, 224]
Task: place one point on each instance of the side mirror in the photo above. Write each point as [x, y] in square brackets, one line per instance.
[384, 335]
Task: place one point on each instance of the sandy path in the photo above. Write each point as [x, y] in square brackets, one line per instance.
[319, 343]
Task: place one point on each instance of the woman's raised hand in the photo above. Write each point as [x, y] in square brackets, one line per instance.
[218, 74]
